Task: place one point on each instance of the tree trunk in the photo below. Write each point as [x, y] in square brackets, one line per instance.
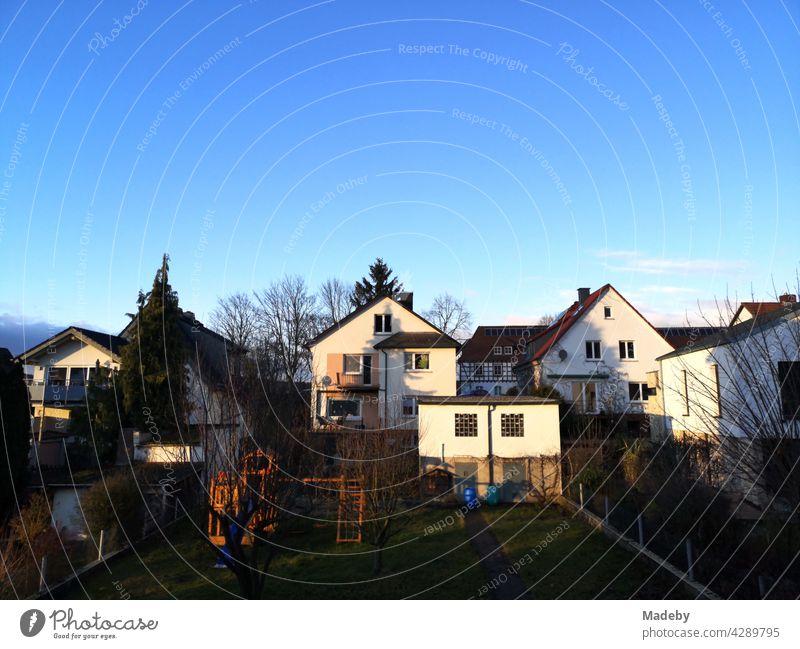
[377, 561]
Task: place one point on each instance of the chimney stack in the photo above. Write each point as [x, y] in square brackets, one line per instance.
[407, 300]
[788, 298]
[583, 295]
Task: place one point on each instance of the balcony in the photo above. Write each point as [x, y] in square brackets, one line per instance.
[51, 394]
[360, 381]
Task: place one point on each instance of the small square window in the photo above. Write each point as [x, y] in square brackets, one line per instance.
[417, 361]
[498, 351]
[593, 350]
[466, 425]
[508, 350]
[512, 425]
[638, 391]
[607, 314]
[383, 323]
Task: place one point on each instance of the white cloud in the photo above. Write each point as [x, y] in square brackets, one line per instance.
[635, 261]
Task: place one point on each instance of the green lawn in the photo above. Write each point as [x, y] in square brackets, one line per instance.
[427, 566]
[576, 561]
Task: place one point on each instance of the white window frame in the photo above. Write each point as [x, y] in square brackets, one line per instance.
[360, 370]
[597, 350]
[508, 350]
[413, 367]
[330, 400]
[643, 391]
[498, 350]
[628, 344]
[608, 313]
[384, 318]
[497, 370]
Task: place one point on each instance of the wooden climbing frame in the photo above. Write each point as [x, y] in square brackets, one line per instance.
[224, 496]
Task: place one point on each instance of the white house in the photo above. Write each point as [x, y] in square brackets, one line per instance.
[597, 354]
[739, 392]
[369, 369]
[509, 441]
[62, 366]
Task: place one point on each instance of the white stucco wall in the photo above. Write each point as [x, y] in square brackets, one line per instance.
[358, 337]
[69, 353]
[624, 324]
[436, 427]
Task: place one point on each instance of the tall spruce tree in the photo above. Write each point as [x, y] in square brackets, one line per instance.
[96, 427]
[15, 432]
[380, 282]
[153, 365]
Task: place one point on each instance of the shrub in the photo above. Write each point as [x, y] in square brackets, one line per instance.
[115, 505]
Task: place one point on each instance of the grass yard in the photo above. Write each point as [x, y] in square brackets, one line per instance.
[315, 567]
[575, 562]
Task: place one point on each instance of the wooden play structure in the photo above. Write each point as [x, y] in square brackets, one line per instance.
[225, 500]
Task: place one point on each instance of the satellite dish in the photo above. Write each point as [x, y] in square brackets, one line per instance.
[326, 381]
[562, 354]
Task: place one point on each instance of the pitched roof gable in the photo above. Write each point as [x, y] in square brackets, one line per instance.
[574, 314]
[106, 342]
[362, 309]
[729, 335]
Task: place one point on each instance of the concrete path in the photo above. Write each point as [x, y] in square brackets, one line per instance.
[501, 580]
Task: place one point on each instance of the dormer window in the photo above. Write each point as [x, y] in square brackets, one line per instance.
[383, 323]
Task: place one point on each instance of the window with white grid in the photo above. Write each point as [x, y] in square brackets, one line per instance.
[512, 425]
[466, 424]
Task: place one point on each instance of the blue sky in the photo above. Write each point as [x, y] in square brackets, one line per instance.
[507, 152]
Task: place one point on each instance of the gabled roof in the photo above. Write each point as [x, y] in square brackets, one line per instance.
[739, 332]
[683, 335]
[480, 347]
[417, 339]
[556, 331]
[108, 343]
[366, 307]
[756, 308]
[565, 321]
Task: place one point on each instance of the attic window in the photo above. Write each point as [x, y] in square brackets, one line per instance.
[383, 323]
[607, 313]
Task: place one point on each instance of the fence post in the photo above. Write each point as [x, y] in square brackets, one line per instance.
[689, 559]
[100, 545]
[43, 575]
[580, 491]
[640, 525]
[605, 500]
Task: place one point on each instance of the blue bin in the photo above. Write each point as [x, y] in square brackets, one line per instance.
[491, 495]
[470, 496]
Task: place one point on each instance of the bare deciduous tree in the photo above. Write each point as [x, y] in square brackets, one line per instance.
[236, 318]
[450, 315]
[258, 488]
[290, 319]
[385, 466]
[547, 319]
[737, 396]
[335, 298]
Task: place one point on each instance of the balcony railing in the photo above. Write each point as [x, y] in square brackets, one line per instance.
[56, 393]
[354, 380]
